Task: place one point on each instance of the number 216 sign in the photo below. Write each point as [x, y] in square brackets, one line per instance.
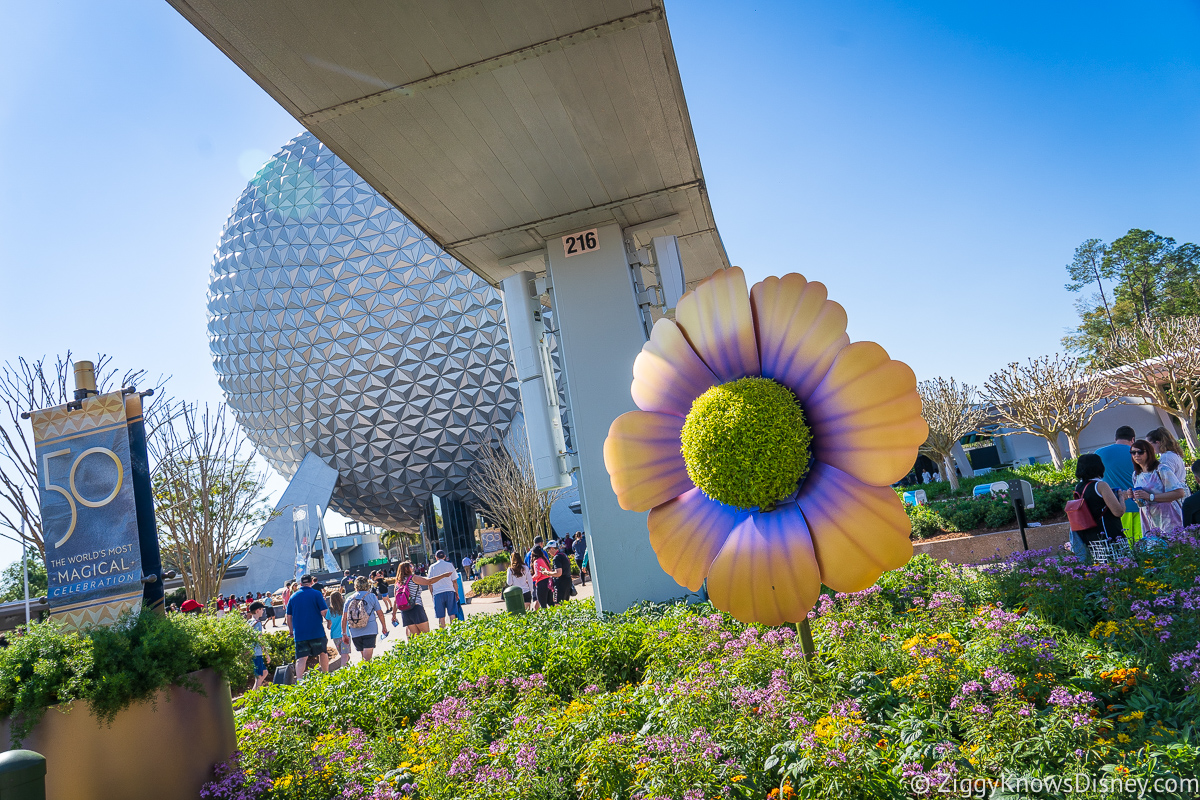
[582, 242]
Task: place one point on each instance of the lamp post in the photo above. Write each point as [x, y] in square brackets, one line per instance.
[25, 570]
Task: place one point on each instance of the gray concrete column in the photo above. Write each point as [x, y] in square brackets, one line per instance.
[600, 334]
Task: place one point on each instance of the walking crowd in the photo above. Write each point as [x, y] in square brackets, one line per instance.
[329, 623]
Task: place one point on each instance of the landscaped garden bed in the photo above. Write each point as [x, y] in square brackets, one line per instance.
[1035, 667]
[116, 709]
[948, 513]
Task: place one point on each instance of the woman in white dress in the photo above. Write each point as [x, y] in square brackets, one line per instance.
[1169, 453]
[1155, 489]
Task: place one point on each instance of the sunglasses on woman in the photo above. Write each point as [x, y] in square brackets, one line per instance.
[1137, 452]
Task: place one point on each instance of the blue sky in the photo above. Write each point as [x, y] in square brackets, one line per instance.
[934, 164]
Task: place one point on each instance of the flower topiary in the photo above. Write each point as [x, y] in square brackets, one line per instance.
[745, 443]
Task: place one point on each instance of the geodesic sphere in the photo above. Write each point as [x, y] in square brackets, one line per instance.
[337, 327]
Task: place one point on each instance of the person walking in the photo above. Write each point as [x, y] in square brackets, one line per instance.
[269, 608]
[1118, 473]
[305, 620]
[542, 576]
[381, 590]
[579, 548]
[346, 583]
[518, 575]
[1169, 454]
[1191, 504]
[1156, 490]
[256, 622]
[443, 585]
[1096, 522]
[363, 617]
[561, 563]
[337, 631]
[408, 601]
[467, 563]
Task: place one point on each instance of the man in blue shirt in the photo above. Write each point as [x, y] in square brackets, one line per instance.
[306, 621]
[1118, 474]
[537, 540]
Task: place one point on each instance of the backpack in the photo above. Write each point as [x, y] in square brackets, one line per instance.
[357, 615]
[1078, 514]
[403, 601]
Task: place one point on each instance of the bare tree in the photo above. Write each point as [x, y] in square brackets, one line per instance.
[209, 499]
[1160, 363]
[1048, 397]
[952, 412]
[27, 386]
[504, 483]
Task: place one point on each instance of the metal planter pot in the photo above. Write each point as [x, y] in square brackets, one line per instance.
[491, 569]
[164, 749]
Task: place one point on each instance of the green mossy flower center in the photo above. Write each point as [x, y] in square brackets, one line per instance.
[745, 443]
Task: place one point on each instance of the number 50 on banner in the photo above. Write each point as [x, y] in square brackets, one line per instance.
[74, 495]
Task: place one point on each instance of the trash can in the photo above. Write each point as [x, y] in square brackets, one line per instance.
[22, 775]
[514, 600]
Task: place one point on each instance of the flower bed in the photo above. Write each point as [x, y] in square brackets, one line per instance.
[1036, 667]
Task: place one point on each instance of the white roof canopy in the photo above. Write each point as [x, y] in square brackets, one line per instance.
[493, 125]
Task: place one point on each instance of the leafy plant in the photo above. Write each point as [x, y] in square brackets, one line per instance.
[492, 584]
[112, 667]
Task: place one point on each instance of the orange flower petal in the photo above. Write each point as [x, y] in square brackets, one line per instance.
[767, 569]
[687, 533]
[799, 331]
[715, 317]
[643, 460]
[866, 415]
[858, 531]
[668, 375]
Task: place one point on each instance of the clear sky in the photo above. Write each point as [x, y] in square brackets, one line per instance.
[935, 164]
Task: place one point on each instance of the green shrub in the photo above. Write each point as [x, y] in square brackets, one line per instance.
[112, 667]
[175, 596]
[492, 584]
[926, 521]
[279, 647]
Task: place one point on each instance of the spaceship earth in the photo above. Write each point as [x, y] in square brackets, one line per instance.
[337, 327]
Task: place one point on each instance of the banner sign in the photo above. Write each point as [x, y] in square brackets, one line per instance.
[491, 540]
[89, 519]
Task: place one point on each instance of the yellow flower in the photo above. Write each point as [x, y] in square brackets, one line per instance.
[737, 778]
[1123, 738]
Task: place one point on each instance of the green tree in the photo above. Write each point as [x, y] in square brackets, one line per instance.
[1149, 276]
[209, 499]
[12, 581]
[1088, 267]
